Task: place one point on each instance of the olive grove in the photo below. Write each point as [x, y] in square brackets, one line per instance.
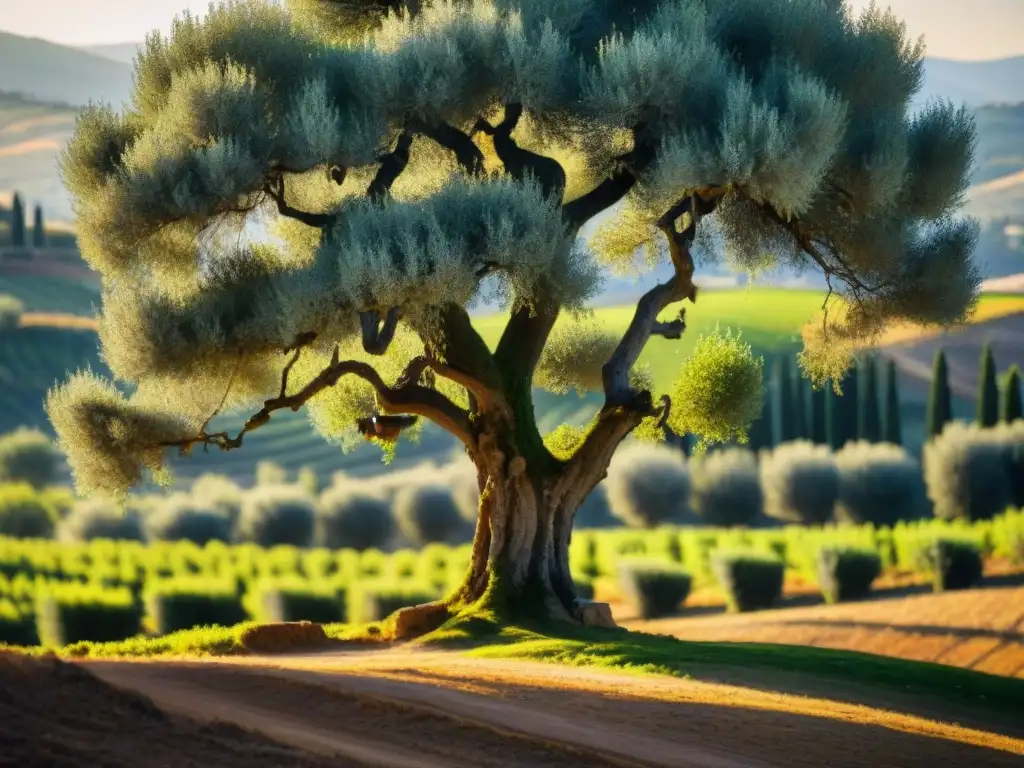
[395, 161]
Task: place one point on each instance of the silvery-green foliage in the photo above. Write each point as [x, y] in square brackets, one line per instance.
[574, 355]
[109, 440]
[180, 517]
[970, 472]
[353, 515]
[879, 483]
[800, 482]
[220, 493]
[794, 112]
[726, 487]
[273, 515]
[428, 513]
[100, 519]
[648, 485]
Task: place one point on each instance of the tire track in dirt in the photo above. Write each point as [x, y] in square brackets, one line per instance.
[377, 707]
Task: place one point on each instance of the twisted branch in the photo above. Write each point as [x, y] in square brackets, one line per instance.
[407, 398]
[614, 188]
[376, 337]
[391, 166]
[519, 162]
[274, 188]
[455, 141]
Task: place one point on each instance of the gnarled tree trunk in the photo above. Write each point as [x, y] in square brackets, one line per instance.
[519, 567]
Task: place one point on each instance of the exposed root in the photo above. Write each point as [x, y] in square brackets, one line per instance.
[418, 620]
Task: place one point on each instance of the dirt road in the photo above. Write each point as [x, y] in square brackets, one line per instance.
[431, 709]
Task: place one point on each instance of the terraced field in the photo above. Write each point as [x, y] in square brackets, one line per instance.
[51, 294]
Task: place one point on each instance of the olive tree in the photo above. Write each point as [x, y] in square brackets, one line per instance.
[408, 158]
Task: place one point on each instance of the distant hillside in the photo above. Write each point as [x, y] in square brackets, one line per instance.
[122, 52]
[974, 83]
[51, 72]
[32, 135]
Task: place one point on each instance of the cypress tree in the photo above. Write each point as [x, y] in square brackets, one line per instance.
[760, 433]
[987, 414]
[892, 431]
[869, 425]
[1012, 407]
[800, 429]
[782, 408]
[841, 411]
[17, 222]
[38, 229]
[940, 402]
[817, 419]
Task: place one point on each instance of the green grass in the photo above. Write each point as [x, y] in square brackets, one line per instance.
[637, 652]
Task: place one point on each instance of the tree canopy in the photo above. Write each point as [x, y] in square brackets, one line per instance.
[396, 161]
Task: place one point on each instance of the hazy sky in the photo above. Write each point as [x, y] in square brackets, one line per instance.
[956, 29]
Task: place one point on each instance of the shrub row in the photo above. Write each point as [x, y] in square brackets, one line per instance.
[55, 590]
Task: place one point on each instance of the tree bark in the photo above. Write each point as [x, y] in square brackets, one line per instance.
[519, 568]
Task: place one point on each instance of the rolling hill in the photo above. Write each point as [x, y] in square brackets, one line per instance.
[50, 72]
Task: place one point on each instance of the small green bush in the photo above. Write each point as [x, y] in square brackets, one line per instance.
[373, 601]
[800, 482]
[269, 473]
[299, 600]
[184, 603]
[584, 587]
[648, 485]
[72, 613]
[952, 564]
[308, 481]
[11, 310]
[220, 493]
[966, 472]
[351, 516]
[99, 519]
[751, 581]
[277, 514]
[654, 588]
[29, 456]
[181, 518]
[17, 627]
[428, 514]
[25, 513]
[595, 511]
[461, 477]
[847, 573]
[726, 487]
[879, 483]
